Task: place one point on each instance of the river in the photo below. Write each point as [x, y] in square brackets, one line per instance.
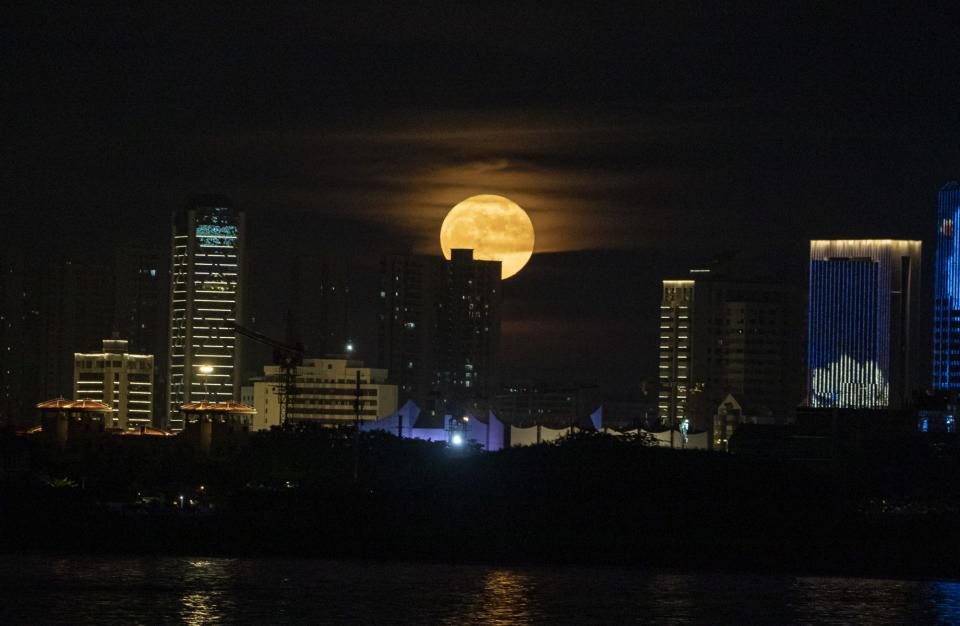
[176, 590]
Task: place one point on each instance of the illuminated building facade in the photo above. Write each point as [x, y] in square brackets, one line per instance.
[863, 303]
[121, 380]
[326, 392]
[722, 334]
[206, 293]
[946, 304]
[676, 310]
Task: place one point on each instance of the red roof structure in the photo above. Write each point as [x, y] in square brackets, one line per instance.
[62, 404]
[234, 408]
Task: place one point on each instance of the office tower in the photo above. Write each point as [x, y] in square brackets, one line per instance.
[140, 311]
[120, 380]
[440, 331]
[326, 391]
[206, 293]
[722, 334]
[863, 301]
[946, 303]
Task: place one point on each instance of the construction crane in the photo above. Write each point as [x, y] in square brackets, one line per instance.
[289, 356]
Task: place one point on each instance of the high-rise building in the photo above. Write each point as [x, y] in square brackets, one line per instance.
[440, 331]
[206, 294]
[861, 348]
[720, 335]
[676, 310]
[318, 316]
[140, 311]
[75, 306]
[407, 325]
[326, 394]
[18, 354]
[120, 380]
[946, 303]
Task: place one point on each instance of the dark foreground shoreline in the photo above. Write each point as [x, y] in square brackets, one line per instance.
[591, 500]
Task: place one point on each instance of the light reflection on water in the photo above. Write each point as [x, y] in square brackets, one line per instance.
[130, 590]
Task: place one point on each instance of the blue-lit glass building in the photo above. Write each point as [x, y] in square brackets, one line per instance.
[861, 349]
[946, 304]
[206, 274]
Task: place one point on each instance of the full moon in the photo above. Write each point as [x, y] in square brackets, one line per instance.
[494, 227]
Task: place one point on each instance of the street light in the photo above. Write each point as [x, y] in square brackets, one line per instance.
[206, 370]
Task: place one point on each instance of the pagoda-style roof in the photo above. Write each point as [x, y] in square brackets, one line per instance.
[218, 407]
[85, 404]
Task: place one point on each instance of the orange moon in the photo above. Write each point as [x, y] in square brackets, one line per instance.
[494, 227]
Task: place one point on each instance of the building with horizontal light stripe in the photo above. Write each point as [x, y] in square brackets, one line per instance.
[205, 300]
[121, 380]
[326, 392]
[946, 303]
[861, 346]
[676, 310]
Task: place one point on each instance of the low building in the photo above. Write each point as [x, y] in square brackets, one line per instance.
[62, 419]
[120, 380]
[730, 415]
[211, 425]
[528, 404]
[325, 392]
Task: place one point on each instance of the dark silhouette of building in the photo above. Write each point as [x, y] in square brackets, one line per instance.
[439, 334]
[555, 406]
[76, 311]
[320, 305]
[140, 312]
[19, 384]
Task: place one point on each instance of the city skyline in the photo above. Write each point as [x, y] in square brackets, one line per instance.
[663, 133]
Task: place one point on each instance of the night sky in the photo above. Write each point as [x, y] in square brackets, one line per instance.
[641, 142]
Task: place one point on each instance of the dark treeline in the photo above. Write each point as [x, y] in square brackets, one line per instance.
[590, 498]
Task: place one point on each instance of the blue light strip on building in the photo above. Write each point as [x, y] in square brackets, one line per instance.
[946, 306]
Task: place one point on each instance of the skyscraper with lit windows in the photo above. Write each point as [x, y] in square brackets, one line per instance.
[861, 346]
[946, 303]
[205, 300]
[725, 331]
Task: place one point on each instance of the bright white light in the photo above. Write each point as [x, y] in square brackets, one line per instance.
[206, 369]
[457, 440]
[349, 347]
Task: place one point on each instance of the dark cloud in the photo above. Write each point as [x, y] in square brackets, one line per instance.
[640, 139]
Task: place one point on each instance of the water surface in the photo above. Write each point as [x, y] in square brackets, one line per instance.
[174, 590]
